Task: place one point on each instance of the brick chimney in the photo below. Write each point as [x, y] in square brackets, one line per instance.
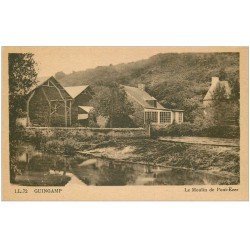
[141, 86]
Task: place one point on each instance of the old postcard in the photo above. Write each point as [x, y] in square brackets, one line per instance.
[124, 123]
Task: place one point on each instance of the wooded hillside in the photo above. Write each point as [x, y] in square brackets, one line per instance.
[177, 80]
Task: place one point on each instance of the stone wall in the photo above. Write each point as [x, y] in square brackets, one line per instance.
[81, 133]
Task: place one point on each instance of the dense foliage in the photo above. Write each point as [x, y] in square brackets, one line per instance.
[22, 76]
[193, 129]
[110, 101]
[177, 80]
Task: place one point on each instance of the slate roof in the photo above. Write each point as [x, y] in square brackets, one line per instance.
[141, 97]
[74, 91]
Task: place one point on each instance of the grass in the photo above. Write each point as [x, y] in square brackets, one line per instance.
[40, 179]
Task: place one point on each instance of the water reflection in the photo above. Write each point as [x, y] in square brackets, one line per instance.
[40, 169]
[35, 168]
[103, 172]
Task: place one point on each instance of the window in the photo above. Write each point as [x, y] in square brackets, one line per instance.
[180, 117]
[165, 117]
[151, 116]
[152, 103]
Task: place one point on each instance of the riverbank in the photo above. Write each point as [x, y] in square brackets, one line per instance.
[174, 154]
[219, 158]
[224, 142]
[133, 162]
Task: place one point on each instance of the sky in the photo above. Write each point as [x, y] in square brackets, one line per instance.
[67, 59]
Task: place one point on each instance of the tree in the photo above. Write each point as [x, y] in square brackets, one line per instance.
[222, 74]
[234, 82]
[219, 94]
[22, 76]
[219, 109]
[192, 107]
[59, 75]
[225, 107]
[110, 101]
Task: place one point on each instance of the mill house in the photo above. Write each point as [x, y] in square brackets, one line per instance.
[50, 104]
[149, 110]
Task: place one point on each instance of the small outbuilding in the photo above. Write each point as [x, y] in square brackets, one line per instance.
[49, 104]
[81, 107]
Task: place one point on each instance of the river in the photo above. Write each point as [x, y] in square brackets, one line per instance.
[36, 168]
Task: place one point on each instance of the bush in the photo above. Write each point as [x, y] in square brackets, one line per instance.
[40, 163]
[70, 147]
[54, 146]
[37, 138]
[220, 131]
[66, 147]
[184, 129]
[115, 176]
[193, 129]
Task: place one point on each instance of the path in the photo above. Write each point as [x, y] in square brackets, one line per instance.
[203, 141]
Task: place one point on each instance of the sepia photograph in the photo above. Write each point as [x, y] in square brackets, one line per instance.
[123, 116]
[125, 125]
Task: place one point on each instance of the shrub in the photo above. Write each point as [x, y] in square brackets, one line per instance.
[184, 129]
[40, 163]
[19, 133]
[54, 146]
[65, 147]
[193, 129]
[220, 131]
[113, 175]
[70, 147]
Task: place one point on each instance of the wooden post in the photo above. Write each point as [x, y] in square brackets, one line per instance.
[27, 161]
[28, 111]
[48, 123]
[70, 106]
[172, 115]
[49, 115]
[28, 116]
[65, 113]
[159, 117]
[65, 109]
